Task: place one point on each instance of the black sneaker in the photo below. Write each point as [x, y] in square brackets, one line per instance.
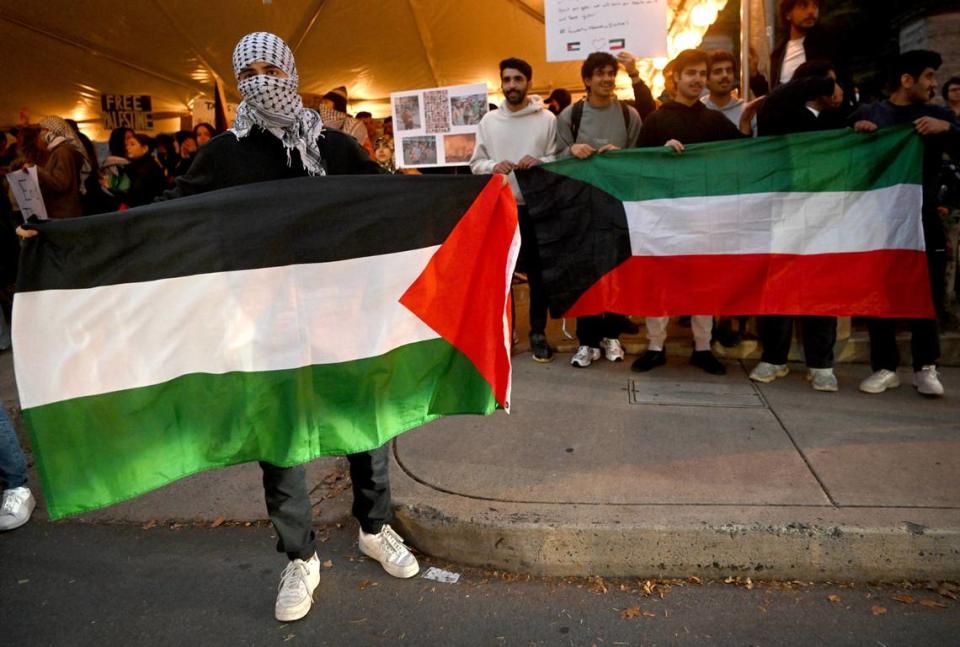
[704, 359]
[724, 334]
[649, 361]
[540, 348]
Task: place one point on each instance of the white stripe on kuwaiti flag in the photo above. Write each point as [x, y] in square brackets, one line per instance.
[274, 322]
[265, 319]
[777, 223]
[825, 223]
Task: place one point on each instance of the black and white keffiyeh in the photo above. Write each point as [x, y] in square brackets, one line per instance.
[274, 103]
[58, 132]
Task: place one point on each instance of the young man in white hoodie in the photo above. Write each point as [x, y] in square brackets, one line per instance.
[518, 136]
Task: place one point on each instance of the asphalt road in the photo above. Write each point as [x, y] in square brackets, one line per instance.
[78, 584]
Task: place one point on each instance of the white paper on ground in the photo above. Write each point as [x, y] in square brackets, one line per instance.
[440, 575]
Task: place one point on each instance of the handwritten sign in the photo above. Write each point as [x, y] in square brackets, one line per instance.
[126, 111]
[576, 28]
[26, 191]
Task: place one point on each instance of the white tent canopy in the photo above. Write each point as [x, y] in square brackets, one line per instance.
[69, 53]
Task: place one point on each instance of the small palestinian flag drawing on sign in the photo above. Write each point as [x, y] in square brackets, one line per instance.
[573, 47]
[617, 43]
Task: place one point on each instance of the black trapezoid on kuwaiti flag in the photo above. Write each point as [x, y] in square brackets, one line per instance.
[581, 234]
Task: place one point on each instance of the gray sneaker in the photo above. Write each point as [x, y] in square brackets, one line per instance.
[823, 379]
[16, 508]
[765, 372]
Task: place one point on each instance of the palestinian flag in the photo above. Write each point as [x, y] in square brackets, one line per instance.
[279, 322]
[823, 223]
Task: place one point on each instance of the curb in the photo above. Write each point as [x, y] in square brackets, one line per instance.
[817, 543]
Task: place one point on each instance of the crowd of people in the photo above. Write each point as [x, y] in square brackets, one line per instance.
[809, 90]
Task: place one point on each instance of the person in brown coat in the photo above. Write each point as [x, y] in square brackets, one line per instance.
[62, 175]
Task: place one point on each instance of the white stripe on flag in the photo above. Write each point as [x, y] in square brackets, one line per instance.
[105, 339]
[778, 223]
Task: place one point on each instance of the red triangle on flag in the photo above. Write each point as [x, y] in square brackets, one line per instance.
[463, 293]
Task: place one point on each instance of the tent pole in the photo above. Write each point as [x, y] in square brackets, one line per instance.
[745, 49]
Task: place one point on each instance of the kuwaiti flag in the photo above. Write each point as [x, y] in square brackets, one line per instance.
[278, 321]
[824, 223]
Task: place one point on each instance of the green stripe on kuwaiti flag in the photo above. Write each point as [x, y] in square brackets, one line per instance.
[275, 322]
[824, 223]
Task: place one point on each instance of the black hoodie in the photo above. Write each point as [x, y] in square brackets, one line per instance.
[694, 124]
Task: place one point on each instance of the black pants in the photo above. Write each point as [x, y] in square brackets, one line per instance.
[819, 335]
[529, 262]
[924, 333]
[288, 501]
[591, 330]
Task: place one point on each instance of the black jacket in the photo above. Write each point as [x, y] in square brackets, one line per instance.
[260, 157]
[785, 111]
[687, 124]
[146, 181]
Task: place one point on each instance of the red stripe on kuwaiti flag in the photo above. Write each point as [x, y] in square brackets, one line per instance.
[824, 223]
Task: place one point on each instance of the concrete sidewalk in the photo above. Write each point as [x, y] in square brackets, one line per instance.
[673, 473]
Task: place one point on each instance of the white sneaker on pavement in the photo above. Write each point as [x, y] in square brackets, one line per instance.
[295, 592]
[16, 508]
[585, 356]
[880, 381]
[823, 379]
[612, 350]
[387, 547]
[927, 381]
[765, 372]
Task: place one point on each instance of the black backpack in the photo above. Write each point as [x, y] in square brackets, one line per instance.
[577, 116]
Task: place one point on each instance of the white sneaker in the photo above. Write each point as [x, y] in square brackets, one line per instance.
[765, 372]
[880, 381]
[612, 350]
[18, 504]
[387, 547]
[585, 357]
[927, 381]
[295, 592]
[823, 379]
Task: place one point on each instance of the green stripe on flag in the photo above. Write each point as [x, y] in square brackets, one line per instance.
[102, 449]
[837, 160]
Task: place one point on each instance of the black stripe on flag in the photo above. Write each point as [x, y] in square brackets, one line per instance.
[581, 232]
[268, 224]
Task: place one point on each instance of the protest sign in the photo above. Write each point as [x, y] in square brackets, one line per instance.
[575, 28]
[437, 126]
[26, 191]
[127, 111]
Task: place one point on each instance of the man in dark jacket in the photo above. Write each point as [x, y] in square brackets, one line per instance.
[804, 41]
[274, 138]
[686, 120]
[809, 102]
[915, 82]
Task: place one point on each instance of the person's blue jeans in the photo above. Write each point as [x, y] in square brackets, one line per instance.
[13, 464]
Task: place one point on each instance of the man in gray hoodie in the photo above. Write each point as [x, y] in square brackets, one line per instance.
[721, 81]
[518, 136]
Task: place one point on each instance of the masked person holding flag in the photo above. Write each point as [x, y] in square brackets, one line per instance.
[275, 137]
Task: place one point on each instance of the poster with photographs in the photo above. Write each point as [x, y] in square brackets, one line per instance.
[437, 126]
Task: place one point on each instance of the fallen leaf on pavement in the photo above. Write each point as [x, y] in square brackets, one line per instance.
[948, 590]
[328, 564]
[906, 599]
[597, 585]
[217, 522]
[150, 524]
[365, 584]
[878, 611]
[834, 599]
[933, 604]
[696, 580]
[630, 613]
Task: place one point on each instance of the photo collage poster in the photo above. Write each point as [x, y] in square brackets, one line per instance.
[437, 126]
